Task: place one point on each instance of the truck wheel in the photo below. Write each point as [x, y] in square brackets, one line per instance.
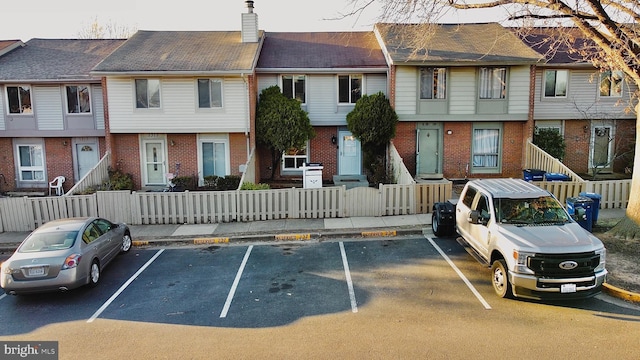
[435, 225]
[500, 279]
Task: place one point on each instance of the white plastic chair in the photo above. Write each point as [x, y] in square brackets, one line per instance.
[57, 184]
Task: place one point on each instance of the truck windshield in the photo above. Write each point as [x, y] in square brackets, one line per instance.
[541, 210]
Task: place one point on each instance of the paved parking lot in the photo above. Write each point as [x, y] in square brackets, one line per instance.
[260, 285]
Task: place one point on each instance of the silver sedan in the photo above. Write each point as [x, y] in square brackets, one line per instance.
[64, 254]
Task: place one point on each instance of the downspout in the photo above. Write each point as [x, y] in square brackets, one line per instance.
[247, 113]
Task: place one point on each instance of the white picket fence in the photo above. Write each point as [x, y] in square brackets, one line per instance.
[202, 207]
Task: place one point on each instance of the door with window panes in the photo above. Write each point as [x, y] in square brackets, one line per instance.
[154, 162]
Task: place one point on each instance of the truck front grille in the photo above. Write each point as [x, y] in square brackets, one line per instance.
[564, 265]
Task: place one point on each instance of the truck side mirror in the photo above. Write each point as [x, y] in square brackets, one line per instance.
[474, 215]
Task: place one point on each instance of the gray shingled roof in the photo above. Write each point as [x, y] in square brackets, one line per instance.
[55, 59]
[449, 44]
[559, 45]
[181, 51]
[321, 50]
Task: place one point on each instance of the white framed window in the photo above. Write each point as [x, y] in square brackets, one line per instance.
[209, 93]
[213, 154]
[493, 83]
[19, 99]
[294, 87]
[30, 162]
[486, 148]
[611, 83]
[147, 93]
[294, 159]
[555, 83]
[433, 83]
[78, 99]
[349, 88]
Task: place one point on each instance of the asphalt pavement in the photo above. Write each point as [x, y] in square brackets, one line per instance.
[291, 230]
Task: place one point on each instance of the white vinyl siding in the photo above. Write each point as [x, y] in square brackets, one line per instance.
[97, 106]
[582, 96]
[518, 90]
[406, 90]
[375, 83]
[462, 91]
[322, 95]
[179, 109]
[49, 107]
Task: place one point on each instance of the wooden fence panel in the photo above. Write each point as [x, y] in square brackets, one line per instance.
[363, 201]
[397, 199]
[614, 193]
[317, 203]
[257, 205]
[428, 194]
[116, 205]
[207, 207]
[16, 214]
[562, 189]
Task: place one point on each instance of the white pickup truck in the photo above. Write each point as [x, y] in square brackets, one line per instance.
[534, 248]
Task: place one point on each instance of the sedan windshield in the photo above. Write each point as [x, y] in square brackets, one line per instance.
[48, 241]
[540, 210]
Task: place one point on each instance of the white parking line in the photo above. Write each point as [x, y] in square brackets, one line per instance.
[347, 273]
[3, 296]
[232, 291]
[124, 286]
[460, 274]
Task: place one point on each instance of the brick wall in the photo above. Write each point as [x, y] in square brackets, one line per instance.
[576, 138]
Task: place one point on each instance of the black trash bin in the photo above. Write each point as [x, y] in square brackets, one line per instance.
[533, 174]
[581, 210]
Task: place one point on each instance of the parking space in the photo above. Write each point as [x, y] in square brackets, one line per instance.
[253, 286]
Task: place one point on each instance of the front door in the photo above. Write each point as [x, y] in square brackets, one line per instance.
[350, 157]
[154, 163]
[601, 150]
[428, 152]
[86, 157]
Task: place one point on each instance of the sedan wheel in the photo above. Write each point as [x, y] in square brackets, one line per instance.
[126, 243]
[94, 274]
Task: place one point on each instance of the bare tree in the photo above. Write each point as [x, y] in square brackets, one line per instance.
[611, 26]
[110, 30]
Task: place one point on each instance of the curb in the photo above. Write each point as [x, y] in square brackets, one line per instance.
[620, 293]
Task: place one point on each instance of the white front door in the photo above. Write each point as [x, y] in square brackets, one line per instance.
[154, 166]
[86, 157]
[350, 158]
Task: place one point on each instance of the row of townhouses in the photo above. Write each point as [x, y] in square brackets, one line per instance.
[185, 101]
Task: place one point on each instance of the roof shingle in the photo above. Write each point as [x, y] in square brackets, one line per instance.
[55, 59]
[320, 50]
[454, 43]
[182, 51]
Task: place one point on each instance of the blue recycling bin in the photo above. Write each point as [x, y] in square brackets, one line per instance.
[533, 174]
[596, 203]
[581, 210]
[556, 177]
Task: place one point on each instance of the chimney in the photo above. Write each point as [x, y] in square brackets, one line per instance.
[249, 24]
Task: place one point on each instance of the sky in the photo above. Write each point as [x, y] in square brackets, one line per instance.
[65, 19]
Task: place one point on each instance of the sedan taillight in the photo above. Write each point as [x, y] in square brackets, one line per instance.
[71, 261]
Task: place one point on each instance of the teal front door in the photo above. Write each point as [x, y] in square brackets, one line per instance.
[349, 154]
